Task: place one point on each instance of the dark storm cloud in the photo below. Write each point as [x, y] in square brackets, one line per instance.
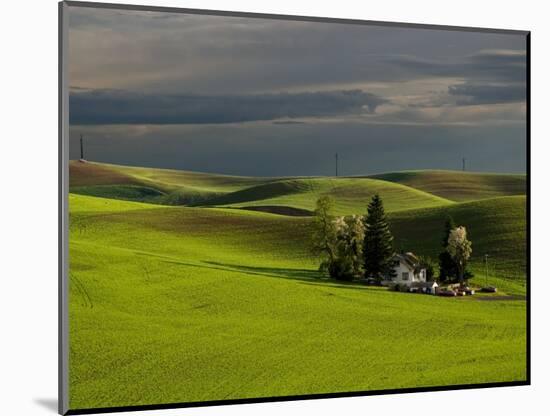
[126, 107]
[235, 55]
[275, 97]
[487, 94]
[304, 149]
[496, 60]
[119, 18]
[501, 65]
[491, 77]
[283, 122]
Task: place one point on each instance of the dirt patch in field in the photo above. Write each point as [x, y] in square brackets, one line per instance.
[85, 174]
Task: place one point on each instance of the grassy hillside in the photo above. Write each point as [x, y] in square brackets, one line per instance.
[171, 187]
[496, 227]
[172, 304]
[94, 173]
[161, 186]
[458, 185]
[351, 195]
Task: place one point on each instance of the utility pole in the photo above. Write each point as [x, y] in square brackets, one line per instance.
[463, 164]
[486, 271]
[336, 158]
[81, 148]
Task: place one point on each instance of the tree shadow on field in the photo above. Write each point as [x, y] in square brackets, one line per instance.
[284, 273]
[346, 285]
[305, 276]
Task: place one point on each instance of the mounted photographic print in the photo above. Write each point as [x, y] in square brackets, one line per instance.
[262, 208]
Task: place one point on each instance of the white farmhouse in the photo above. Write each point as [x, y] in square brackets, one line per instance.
[408, 272]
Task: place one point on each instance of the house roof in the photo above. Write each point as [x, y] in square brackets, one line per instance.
[409, 259]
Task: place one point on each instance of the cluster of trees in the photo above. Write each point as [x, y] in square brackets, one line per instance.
[357, 246]
[353, 246]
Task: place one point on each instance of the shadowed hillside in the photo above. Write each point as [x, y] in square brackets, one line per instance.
[351, 195]
[496, 227]
[160, 186]
[458, 185]
[285, 195]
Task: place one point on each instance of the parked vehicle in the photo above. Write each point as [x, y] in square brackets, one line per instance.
[489, 289]
[464, 290]
[446, 292]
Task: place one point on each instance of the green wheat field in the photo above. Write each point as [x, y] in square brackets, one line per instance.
[190, 287]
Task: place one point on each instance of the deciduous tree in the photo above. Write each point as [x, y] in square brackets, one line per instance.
[324, 232]
[460, 249]
[350, 233]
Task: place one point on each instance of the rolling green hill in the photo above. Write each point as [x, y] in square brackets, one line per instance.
[94, 173]
[161, 186]
[350, 195]
[496, 227]
[171, 187]
[458, 185]
[176, 304]
[400, 190]
[202, 290]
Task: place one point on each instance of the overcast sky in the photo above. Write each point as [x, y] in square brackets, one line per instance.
[272, 97]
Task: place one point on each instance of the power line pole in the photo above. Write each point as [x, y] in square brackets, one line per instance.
[486, 271]
[463, 164]
[336, 159]
[81, 148]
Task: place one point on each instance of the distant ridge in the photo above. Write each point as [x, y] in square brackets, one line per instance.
[294, 196]
[459, 185]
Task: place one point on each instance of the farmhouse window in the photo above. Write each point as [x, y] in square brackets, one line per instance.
[405, 276]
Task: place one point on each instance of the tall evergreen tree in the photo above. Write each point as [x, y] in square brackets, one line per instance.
[378, 243]
[447, 266]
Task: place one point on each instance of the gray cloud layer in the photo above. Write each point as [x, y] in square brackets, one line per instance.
[487, 94]
[487, 65]
[226, 55]
[491, 77]
[388, 98]
[125, 107]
